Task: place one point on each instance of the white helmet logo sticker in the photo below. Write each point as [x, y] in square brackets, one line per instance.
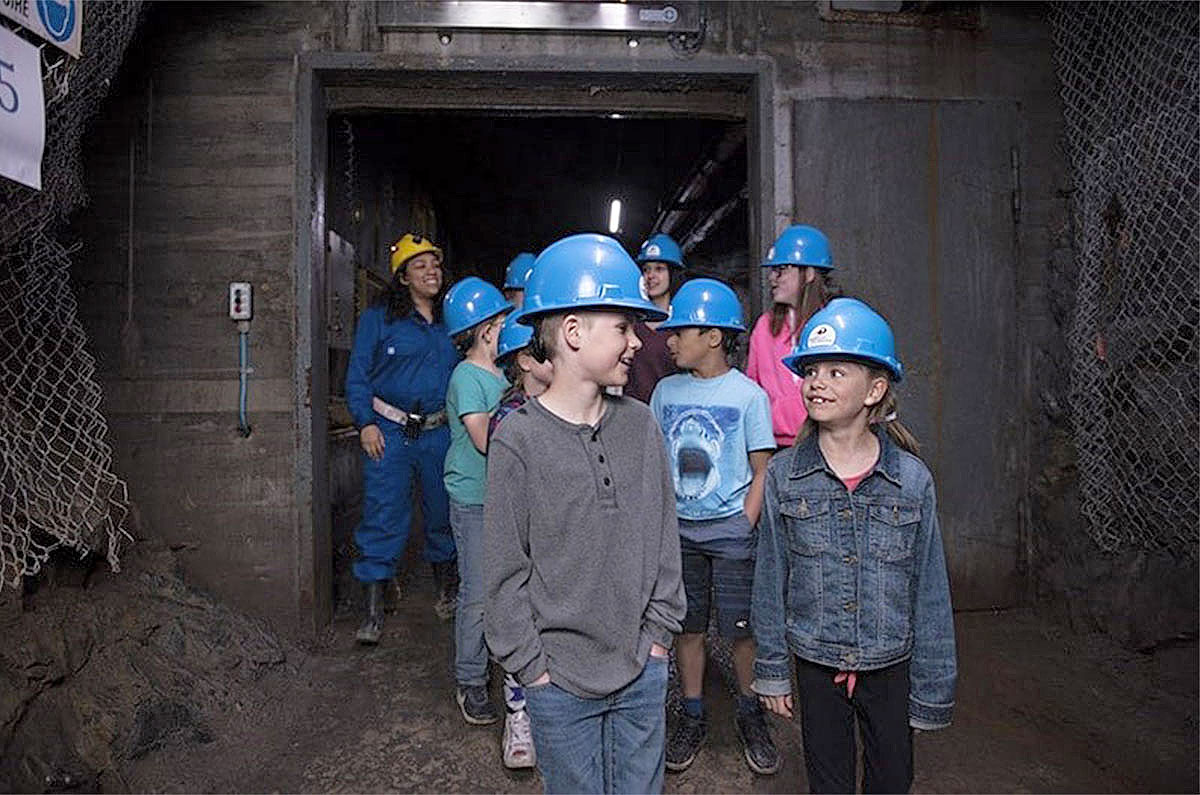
[653, 250]
[821, 337]
[642, 288]
[771, 253]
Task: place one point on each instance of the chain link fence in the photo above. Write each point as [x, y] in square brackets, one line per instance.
[1129, 75]
[57, 485]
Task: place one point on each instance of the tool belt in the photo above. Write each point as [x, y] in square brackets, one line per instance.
[413, 423]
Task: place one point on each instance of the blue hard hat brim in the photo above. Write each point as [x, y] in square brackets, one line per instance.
[671, 262]
[796, 361]
[683, 322]
[775, 263]
[645, 310]
[502, 310]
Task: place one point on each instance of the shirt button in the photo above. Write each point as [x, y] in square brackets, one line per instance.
[601, 459]
[844, 514]
[607, 482]
[849, 560]
[851, 606]
[850, 658]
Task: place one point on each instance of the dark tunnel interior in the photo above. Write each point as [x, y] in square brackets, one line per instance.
[488, 187]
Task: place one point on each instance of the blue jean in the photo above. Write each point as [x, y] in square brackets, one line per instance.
[387, 502]
[470, 651]
[612, 744]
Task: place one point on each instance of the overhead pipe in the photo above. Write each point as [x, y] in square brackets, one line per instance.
[690, 191]
[705, 227]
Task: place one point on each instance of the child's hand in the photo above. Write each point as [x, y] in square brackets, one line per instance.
[544, 679]
[658, 650]
[372, 441]
[780, 705]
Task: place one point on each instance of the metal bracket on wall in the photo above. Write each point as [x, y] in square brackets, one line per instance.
[682, 16]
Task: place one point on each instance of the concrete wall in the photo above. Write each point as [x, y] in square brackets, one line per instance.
[214, 202]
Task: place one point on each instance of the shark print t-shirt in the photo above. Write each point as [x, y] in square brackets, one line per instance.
[711, 425]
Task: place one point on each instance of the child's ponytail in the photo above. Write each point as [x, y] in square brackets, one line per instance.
[885, 411]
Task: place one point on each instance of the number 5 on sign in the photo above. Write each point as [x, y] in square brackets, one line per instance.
[22, 110]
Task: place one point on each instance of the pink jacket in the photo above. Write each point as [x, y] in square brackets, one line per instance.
[783, 387]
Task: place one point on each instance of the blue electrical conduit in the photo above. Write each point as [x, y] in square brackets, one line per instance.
[243, 376]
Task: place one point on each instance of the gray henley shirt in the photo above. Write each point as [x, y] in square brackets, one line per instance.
[581, 547]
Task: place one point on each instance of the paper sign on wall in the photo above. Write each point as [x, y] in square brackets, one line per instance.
[22, 110]
[59, 22]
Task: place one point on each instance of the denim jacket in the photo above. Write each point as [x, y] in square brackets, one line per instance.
[854, 580]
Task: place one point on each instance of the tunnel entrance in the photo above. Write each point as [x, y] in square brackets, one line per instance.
[491, 157]
[486, 187]
[489, 166]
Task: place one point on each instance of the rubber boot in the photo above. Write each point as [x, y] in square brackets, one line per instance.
[372, 626]
[445, 581]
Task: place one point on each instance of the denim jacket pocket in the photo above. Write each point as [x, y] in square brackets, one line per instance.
[809, 534]
[892, 534]
[893, 530]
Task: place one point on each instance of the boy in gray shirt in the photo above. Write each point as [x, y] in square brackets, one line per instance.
[581, 549]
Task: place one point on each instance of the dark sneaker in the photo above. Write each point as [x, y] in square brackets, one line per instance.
[685, 741]
[477, 709]
[761, 754]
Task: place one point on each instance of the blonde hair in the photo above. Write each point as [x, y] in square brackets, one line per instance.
[813, 296]
[882, 412]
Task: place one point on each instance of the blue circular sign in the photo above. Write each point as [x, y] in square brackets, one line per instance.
[58, 17]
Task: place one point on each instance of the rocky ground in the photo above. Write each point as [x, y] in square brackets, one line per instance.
[134, 682]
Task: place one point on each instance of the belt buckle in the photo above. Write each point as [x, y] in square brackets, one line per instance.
[413, 425]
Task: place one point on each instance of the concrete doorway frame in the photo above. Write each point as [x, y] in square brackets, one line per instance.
[317, 74]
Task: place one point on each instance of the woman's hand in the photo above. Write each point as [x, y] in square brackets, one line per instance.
[658, 650]
[371, 439]
[544, 679]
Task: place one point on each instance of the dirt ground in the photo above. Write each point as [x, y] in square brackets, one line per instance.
[1039, 710]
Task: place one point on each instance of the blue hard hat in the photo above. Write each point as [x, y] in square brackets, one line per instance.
[846, 328]
[470, 302]
[707, 303]
[518, 271]
[586, 271]
[661, 248]
[802, 246]
[513, 337]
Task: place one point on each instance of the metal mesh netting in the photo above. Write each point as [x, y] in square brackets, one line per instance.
[57, 487]
[1129, 74]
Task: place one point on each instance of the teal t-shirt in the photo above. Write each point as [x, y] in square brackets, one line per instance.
[472, 390]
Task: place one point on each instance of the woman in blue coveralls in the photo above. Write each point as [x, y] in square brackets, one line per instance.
[396, 389]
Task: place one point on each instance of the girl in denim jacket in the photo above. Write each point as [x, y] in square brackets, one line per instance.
[850, 574]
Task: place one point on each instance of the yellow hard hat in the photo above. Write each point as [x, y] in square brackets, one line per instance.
[410, 246]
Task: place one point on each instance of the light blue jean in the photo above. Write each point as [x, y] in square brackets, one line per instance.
[604, 745]
[470, 651]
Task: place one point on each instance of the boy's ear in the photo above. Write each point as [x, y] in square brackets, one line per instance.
[572, 329]
[715, 337]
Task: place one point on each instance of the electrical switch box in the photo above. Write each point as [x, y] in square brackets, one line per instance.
[240, 305]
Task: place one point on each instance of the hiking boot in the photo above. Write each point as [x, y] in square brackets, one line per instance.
[477, 709]
[518, 741]
[761, 754]
[445, 581]
[685, 741]
[372, 625]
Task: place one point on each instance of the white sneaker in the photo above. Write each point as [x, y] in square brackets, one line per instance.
[518, 741]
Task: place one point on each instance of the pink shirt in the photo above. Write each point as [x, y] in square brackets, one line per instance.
[764, 365]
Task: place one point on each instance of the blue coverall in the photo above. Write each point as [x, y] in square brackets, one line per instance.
[406, 363]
